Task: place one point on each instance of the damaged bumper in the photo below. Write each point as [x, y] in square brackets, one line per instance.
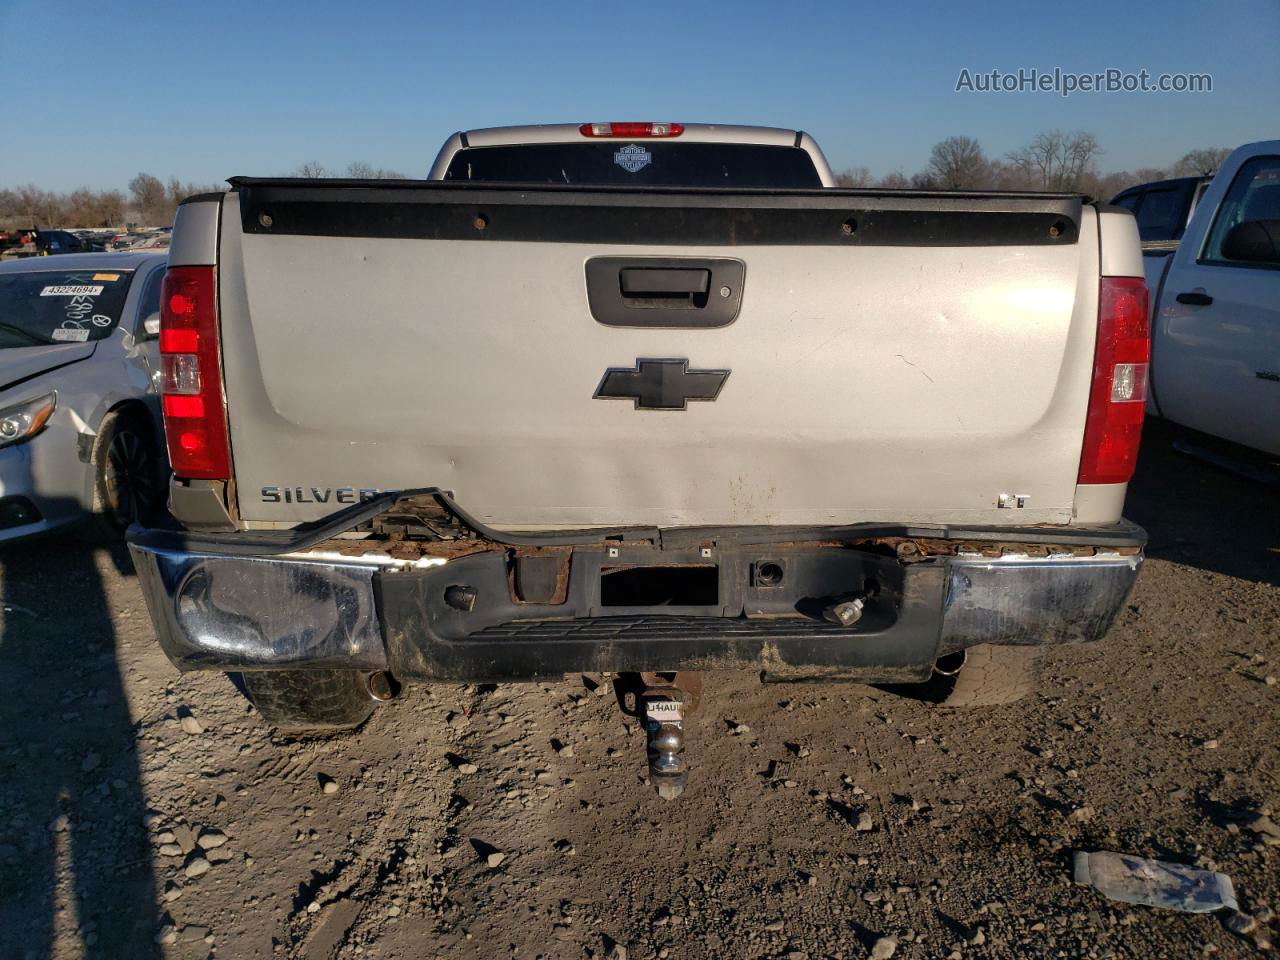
[680, 600]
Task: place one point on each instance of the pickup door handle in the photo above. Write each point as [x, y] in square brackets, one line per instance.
[1195, 299]
[656, 282]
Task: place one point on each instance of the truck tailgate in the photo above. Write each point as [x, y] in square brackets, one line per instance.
[893, 358]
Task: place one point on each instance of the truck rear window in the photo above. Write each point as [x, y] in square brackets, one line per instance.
[640, 163]
[60, 306]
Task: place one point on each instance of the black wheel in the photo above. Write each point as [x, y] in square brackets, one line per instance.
[128, 485]
[309, 701]
[986, 675]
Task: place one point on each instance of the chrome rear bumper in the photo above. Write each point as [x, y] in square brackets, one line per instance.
[298, 611]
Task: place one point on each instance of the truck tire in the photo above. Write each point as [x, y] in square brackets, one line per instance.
[992, 675]
[309, 701]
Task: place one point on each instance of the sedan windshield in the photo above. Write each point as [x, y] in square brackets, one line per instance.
[39, 307]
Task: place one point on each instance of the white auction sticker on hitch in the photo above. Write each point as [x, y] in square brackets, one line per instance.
[79, 290]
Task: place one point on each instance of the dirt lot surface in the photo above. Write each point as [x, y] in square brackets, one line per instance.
[147, 814]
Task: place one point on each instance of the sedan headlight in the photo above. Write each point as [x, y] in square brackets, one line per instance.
[24, 420]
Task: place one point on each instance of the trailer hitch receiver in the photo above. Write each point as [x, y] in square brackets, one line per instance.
[665, 703]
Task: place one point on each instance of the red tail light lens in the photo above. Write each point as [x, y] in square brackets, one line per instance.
[1117, 398]
[195, 419]
[631, 130]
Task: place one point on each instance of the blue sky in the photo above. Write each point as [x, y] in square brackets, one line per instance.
[205, 91]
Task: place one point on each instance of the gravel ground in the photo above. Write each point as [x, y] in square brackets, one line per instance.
[147, 814]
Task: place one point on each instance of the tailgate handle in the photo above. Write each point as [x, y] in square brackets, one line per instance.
[664, 291]
[657, 282]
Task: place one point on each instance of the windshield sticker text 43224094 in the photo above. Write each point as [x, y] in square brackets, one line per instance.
[73, 290]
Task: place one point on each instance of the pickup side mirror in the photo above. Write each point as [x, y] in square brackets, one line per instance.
[1254, 241]
[151, 327]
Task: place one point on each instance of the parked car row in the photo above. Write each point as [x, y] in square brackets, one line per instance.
[32, 242]
[150, 240]
[43, 242]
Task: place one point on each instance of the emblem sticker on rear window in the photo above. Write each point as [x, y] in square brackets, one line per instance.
[79, 290]
[632, 158]
[74, 334]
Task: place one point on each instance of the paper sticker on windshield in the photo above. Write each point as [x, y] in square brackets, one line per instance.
[632, 158]
[105, 277]
[76, 334]
[80, 290]
[78, 308]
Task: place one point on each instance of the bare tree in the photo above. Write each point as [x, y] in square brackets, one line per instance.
[894, 181]
[1007, 176]
[94, 208]
[312, 170]
[1057, 161]
[925, 180]
[958, 163]
[111, 207]
[854, 177]
[149, 199]
[37, 208]
[359, 170]
[1201, 163]
[1107, 185]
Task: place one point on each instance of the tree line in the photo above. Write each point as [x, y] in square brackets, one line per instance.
[1054, 161]
[149, 201]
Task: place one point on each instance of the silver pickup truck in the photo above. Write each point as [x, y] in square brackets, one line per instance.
[641, 399]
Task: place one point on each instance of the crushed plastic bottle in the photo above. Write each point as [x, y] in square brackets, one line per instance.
[1155, 883]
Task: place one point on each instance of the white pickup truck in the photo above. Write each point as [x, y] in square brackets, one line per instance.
[1215, 302]
[641, 399]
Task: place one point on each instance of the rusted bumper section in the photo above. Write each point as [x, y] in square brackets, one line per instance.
[462, 618]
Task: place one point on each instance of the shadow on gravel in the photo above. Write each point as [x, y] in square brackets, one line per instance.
[1202, 516]
[71, 800]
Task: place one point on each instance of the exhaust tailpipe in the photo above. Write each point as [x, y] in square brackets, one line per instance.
[950, 665]
[383, 687]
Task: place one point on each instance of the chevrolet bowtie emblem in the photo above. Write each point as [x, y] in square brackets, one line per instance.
[661, 384]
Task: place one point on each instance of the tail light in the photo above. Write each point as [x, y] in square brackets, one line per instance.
[631, 130]
[195, 418]
[1117, 398]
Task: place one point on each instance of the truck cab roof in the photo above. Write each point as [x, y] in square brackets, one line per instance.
[549, 134]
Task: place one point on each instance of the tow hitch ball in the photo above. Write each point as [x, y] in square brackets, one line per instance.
[665, 702]
[664, 725]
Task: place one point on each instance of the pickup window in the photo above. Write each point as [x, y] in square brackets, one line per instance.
[1254, 194]
[638, 163]
[1161, 210]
